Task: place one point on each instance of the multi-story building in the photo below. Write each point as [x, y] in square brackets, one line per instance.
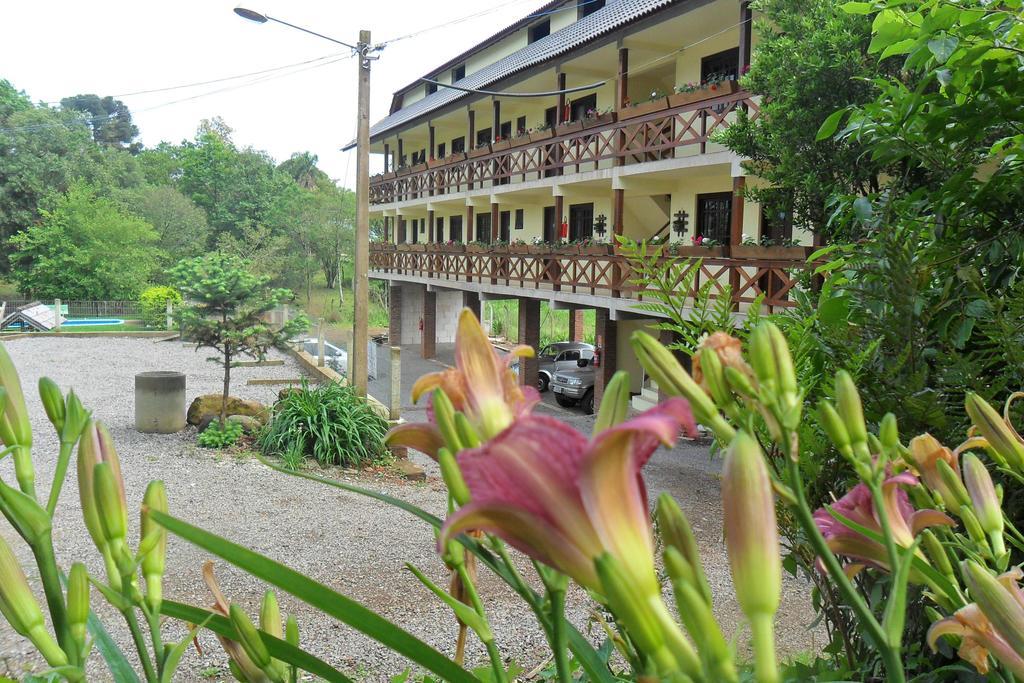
[584, 120]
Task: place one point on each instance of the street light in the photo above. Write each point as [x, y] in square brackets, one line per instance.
[360, 278]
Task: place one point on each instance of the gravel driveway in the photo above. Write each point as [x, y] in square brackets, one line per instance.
[353, 544]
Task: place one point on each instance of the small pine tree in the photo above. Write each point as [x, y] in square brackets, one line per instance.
[226, 310]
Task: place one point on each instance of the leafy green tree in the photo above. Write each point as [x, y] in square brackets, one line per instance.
[180, 225]
[227, 312]
[86, 247]
[110, 120]
[301, 167]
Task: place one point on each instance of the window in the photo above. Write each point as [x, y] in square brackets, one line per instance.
[431, 88]
[550, 224]
[721, 66]
[414, 233]
[506, 220]
[580, 107]
[581, 221]
[439, 231]
[505, 131]
[521, 125]
[519, 219]
[455, 228]
[483, 136]
[541, 29]
[458, 145]
[440, 151]
[458, 73]
[585, 8]
[714, 216]
[483, 227]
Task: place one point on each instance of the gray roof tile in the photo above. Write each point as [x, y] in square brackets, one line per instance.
[606, 19]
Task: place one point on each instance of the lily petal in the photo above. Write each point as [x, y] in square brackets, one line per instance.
[449, 381]
[923, 519]
[419, 436]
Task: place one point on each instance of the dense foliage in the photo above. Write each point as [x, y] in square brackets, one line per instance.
[154, 302]
[329, 423]
[220, 435]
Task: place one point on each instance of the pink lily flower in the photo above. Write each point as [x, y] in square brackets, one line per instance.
[565, 500]
[857, 506]
[481, 385]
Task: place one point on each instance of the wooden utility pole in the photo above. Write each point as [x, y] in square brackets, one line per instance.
[360, 277]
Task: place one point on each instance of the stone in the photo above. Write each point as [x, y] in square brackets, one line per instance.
[286, 392]
[250, 425]
[209, 405]
[410, 470]
[159, 402]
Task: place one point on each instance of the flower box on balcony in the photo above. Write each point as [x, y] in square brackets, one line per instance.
[643, 108]
[403, 170]
[568, 128]
[500, 145]
[595, 249]
[538, 249]
[520, 141]
[519, 248]
[540, 135]
[481, 151]
[434, 163]
[705, 92]
[412, 247]
[381, 246]
[566, 249]
[477, 248]
[499, 248]
[453, 248]
[418, 168]
[696, 252]
[390, 175]
[455, 158]
[599, 120]
[752, 251]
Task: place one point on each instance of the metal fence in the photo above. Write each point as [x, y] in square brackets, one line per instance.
[85, 309]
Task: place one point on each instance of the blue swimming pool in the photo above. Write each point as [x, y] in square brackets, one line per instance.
[92, 321]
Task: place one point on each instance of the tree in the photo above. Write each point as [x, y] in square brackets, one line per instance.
[227, 311]
[86, 247]
[180, 225]
[301, 167]
[110, 120]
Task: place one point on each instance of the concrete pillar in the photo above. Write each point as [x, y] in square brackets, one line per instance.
[395, 409]
[607, 341]
[170, 315]
[471, 300]
[395, 315]
[160, 402]
[56, 315]
[529, 334]
[320, 344]
[428, 343]
[576, 325]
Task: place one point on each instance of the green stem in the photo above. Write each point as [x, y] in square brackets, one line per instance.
[870, 625]
[765, 664]
[24, 472]
[558, 636]
[153, 620]
[140, 644]
[59, 474]
[497, 665]
[49, 575]
[883, 521]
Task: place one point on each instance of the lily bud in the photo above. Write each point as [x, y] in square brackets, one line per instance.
[53, 402]
[468, 436]
[20, 609]
[75, 419]
[614, 403]
[664, 369]
[713, 378]
[996, 603]
[23, 512]
[249, 637]
[889, 434]
[78, 602]
[696, 614]
[270, 615]
[739, 382]
[153, 562]
[629, 606]
[973, 527]
[110, 509]
[773, 365]
[751, 535]
[676, 533]
[936, 553]
[953, 485]
[15, 429]
[849, 407]
[835, 429]
[997, 433]
[95, 447]
[452, 476]
[444, 416]
[984, 500]
[291, 631]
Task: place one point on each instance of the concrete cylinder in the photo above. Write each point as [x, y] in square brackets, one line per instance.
[159, 402]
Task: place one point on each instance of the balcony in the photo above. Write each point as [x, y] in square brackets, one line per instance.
[673, 126]
[765, 274]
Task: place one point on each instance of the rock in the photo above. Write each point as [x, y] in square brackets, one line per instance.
[410, 470]
[208, 405]
[286, 392]
[250, 425]
[205, 422]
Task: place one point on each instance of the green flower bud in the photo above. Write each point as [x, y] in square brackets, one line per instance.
[23, 512]
[95, 447]
[629, 605]
[739, 382]
[982, 494]
[53, 402]
[15, 429]
[889, 434]
[444, 416]
[996, 603]
[953, 484]
[110, 504]
[936, 553]
[249, 637]
[153, 561]
[676, 533]
[78, 603]
[835, 429]
[751, 534]
[614, 404]
[848, 406]
[997, 433]
[696, 614]
[714, 378]
[468, 437]
[973, 527]
[452, 476]
[664, 369]
[270, 615]
[291, 631]
[19, 607]
[75, 419]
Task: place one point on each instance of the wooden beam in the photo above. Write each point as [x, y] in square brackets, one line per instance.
[746, 33]
[433, 147]
[387, 156]
[495, 222]
[496, 128]
[430, 226]
[618, 210]
[736, 226]
[561, 116]
[470, 232]
[622, 89]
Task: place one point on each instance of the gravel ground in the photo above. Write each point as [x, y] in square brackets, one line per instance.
[353, 544]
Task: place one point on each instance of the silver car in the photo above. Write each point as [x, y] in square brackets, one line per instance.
[558, 356]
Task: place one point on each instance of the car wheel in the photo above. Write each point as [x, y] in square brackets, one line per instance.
[587, 402]
[565, 401]
[542, 383]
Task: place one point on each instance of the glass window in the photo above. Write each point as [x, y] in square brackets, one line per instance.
[458, 73]
[714, 216]
[723, 65]
[540, 30]
[587, 7]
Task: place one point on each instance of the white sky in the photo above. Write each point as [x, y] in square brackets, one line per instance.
[56, 48]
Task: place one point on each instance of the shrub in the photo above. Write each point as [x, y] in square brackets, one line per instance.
[219, 435]
[154, 304]
[330, 423]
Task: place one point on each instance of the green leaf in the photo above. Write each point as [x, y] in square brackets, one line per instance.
[464, 612]
[316, 594]
[278, 649]
[862, 209]
[943, 46]
[120, 668]
[834, 310]
[894, 617]
[830, 125]
[857, 7]
[900, 47]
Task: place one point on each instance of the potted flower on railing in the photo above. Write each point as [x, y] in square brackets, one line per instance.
[482, 149]
[381, 246]
[478, 247]
[403, 170]
[768, 248]
[390, 175]
[518, 247]
[522, 137]
[568, 127]
[589, 247]
[540, 132]
[598, 117]
[714, 86]
[499, 144]
[657, 102]
[434, 163]
[418, 168]
[452, 247]
[538, 246]
[700, 246]
[455, 157]
[499, 247]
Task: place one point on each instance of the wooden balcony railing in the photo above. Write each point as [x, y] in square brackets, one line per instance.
[772, 273]
[571, 148]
